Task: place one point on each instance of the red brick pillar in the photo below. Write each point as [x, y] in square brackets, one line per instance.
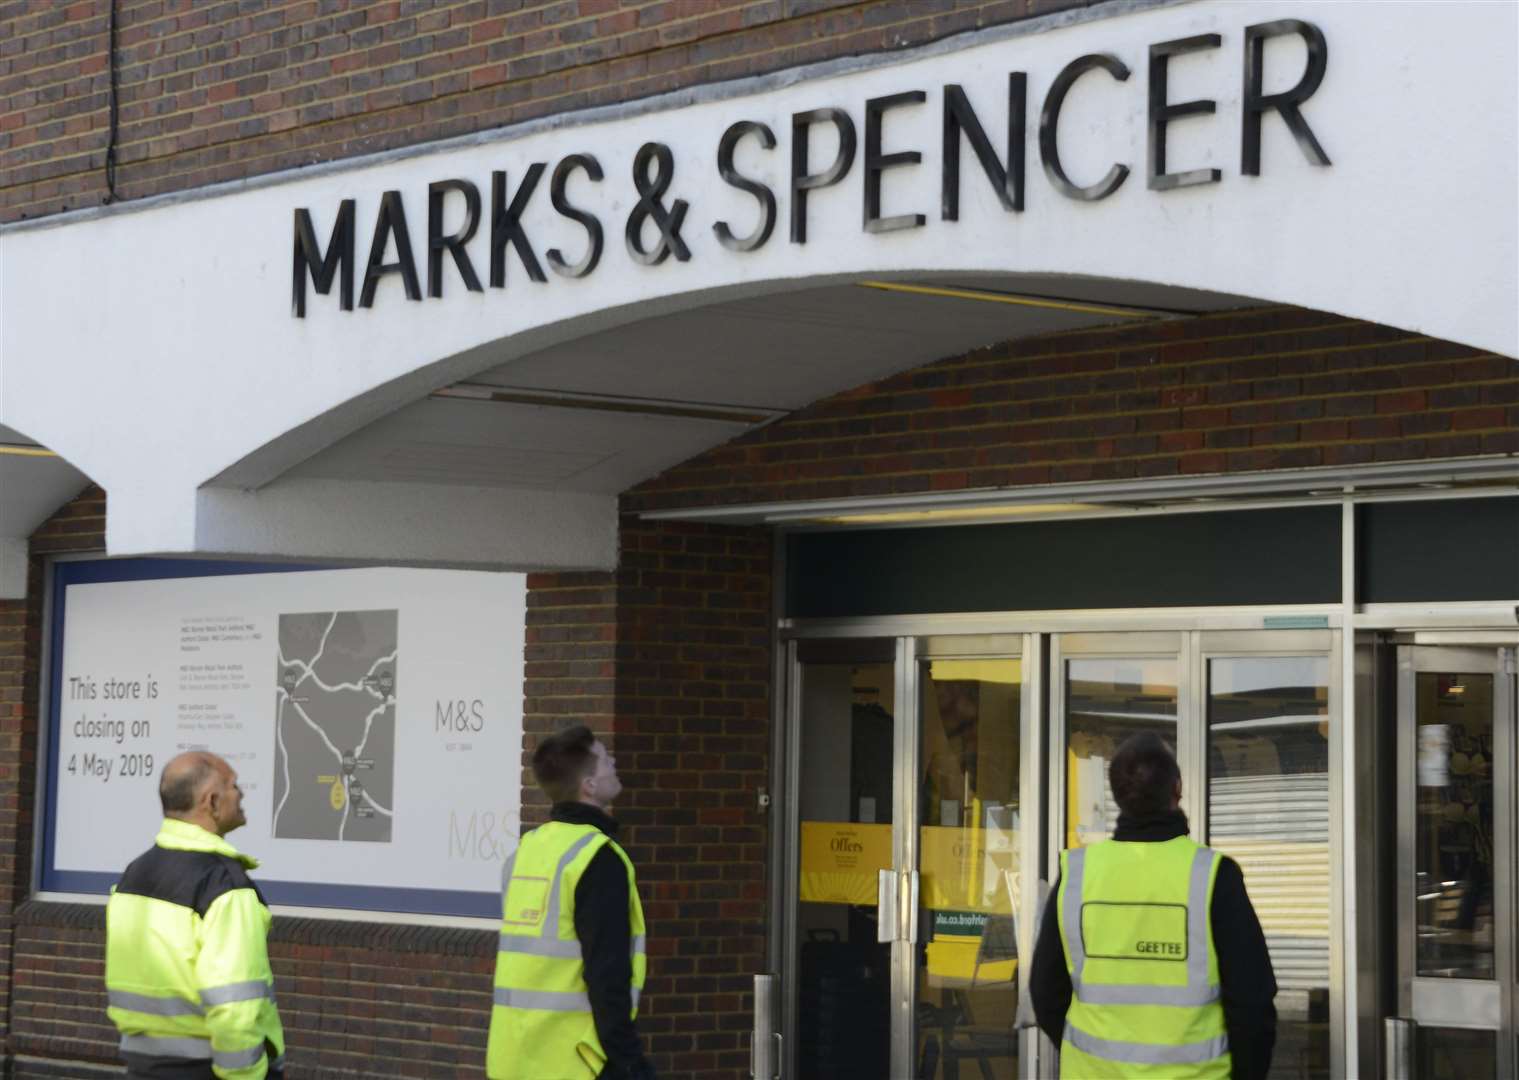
[668, 658]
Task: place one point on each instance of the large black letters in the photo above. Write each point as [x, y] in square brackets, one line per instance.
[801, 180]
[1162, 112]
[557, 183]
[762, 194]
[1287, 102]
[1049, 122]
[960, 118]
[506, 224]
[437, 243]
[391, 221]
[308, 257]
[876, 163]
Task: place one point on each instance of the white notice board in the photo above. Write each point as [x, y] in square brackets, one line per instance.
[374, 717]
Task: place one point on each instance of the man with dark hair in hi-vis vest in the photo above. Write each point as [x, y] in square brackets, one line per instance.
[571, 961]
[187, 972]
[1151, 962]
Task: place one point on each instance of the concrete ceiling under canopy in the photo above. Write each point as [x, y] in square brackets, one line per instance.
[604, 412]
[34, 482]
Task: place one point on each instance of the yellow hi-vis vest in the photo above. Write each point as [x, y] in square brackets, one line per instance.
[541, 1023]
[1134, 920]
[186, 959]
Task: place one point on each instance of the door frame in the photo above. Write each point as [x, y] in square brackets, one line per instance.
[1028, 649]
[1045, 643]
[1427, 997]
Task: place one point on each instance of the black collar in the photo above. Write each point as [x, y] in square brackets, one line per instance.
[579, 813]
[1151, 828]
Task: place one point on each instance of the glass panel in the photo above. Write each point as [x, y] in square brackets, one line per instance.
[1455, 1054]
[1268, 808]
[1107, 700]
[1453, 825]
[969, 820]
[845, 801]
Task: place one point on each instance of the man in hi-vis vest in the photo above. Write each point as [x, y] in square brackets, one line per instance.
[571, 961]
[1150, 961]
[187, 974]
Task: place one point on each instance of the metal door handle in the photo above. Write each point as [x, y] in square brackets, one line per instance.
[887, 916]
[912, 906]
[1398, 1035]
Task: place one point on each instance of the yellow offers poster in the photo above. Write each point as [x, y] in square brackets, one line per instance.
[840, 860]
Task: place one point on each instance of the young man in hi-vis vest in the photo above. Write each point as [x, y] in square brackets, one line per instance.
[1151, 962]
[571, 961]
[187, 973]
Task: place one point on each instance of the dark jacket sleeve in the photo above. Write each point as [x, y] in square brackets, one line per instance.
[606, 943]
[1049, 980]
[1246, 980]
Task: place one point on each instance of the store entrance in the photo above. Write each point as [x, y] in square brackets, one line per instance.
[937, 778]
[1456, 855]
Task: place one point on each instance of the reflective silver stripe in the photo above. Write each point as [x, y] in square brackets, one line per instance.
[636, 994]
[153, 1006]
[1070, 915]
[551, 924]
[278, 1063]
[168, 1046]
[539, 946]
[1111, 994]
[548, 1000]
[1197, 918]
[238, 1059]
[1134, 1053]
[555, 947]
[251, 990]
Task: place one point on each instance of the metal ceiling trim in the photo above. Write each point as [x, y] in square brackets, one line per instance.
[1416, 479]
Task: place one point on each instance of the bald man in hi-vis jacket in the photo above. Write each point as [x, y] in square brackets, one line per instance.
[187, 973]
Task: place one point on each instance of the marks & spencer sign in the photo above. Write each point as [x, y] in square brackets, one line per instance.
[475, 226]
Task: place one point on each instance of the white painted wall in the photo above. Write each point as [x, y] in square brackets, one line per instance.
[154, 348]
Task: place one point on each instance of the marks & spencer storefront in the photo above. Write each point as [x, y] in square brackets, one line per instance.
[865, 449]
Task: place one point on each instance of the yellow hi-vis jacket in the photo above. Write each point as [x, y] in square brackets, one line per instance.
[541, 1023]
[187, 964]
[1136, 926]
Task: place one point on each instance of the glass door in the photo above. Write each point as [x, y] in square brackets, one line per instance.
[1270, 722]
[1108, 687]
[1456, 911]
[976, 856]
[915, 857]
[844, 765]
[1249, 715]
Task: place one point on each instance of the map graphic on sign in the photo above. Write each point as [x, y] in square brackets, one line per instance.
[335, 726]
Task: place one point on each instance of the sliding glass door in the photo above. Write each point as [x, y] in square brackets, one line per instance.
[933, 781]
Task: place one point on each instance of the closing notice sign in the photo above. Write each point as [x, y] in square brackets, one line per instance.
[374, 718]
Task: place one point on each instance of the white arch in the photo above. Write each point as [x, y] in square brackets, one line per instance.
[155, 347]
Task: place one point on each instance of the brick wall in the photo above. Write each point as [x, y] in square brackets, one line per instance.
[212, 91]
[357, 999]
[669, 658]
[1268, 388]
[79, 526]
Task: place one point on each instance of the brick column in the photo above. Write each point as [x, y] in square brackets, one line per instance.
[668, 659]
[78, 527]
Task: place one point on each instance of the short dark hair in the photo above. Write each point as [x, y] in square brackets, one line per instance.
[562, 760]
[1144, 775]
[179, 788]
